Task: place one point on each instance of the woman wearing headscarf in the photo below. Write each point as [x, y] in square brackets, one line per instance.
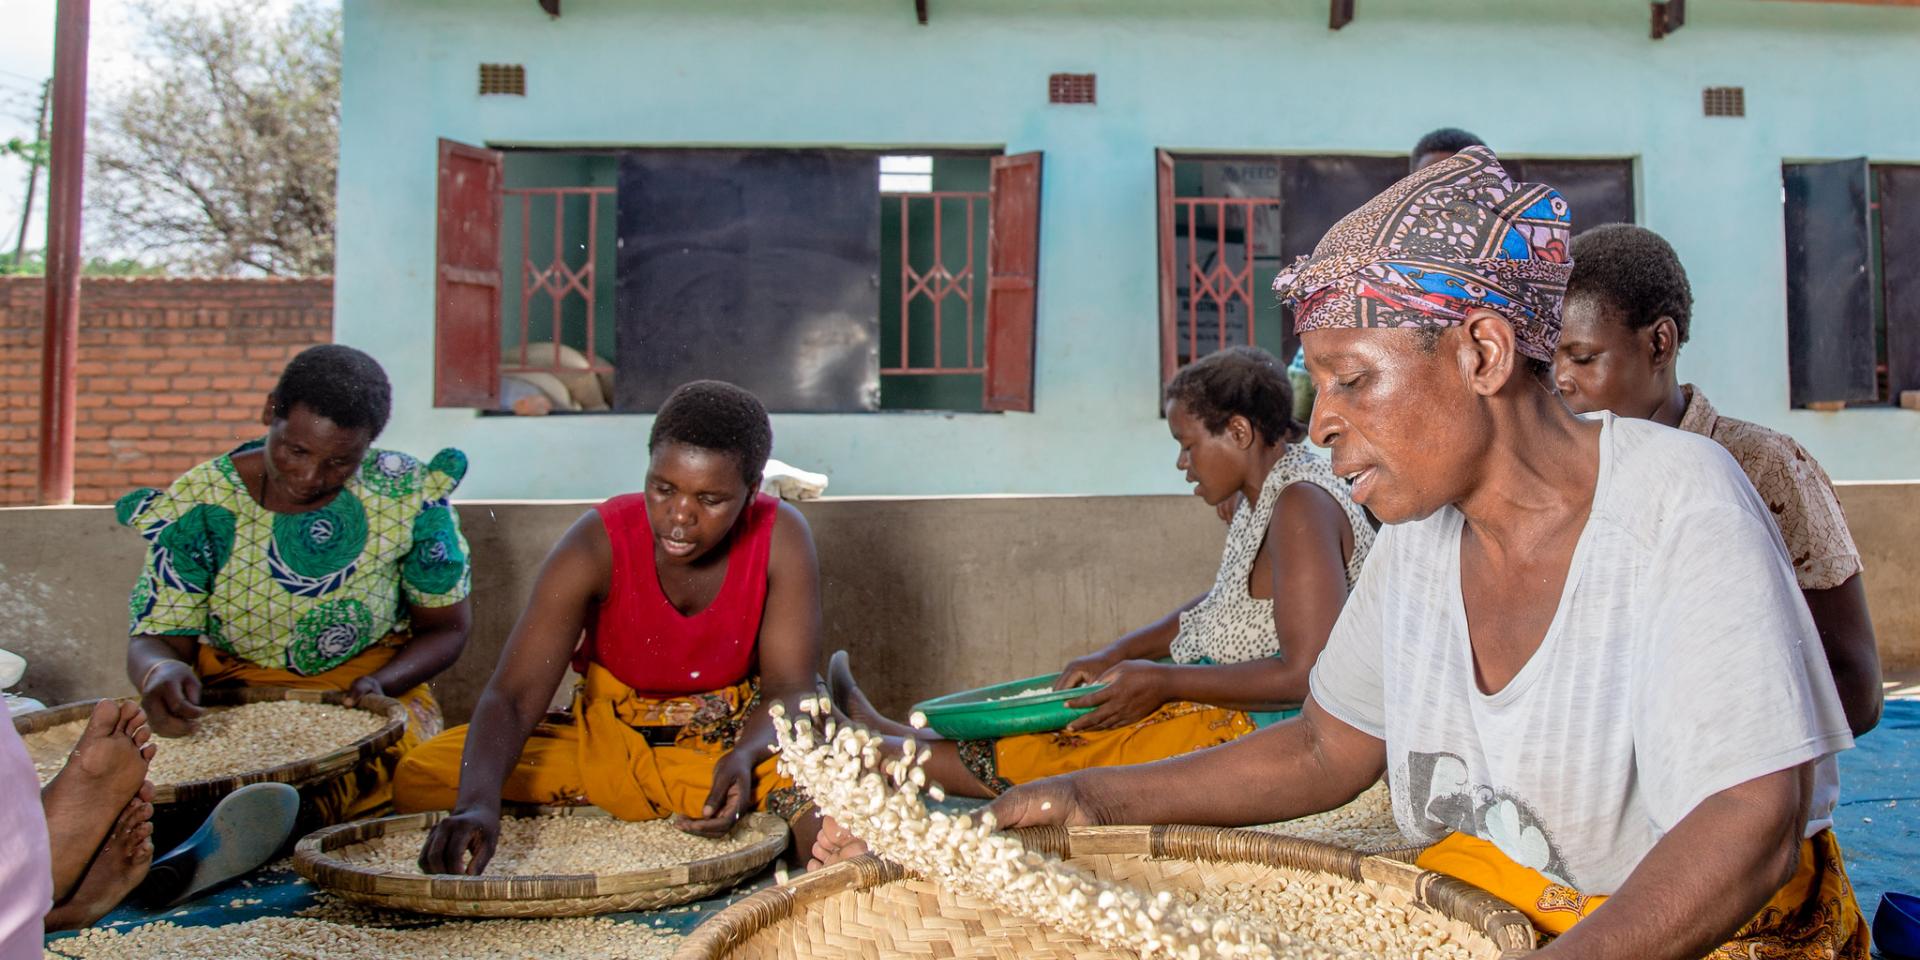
[1578, 650]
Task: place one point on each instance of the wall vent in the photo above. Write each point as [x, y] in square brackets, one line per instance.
[503, 78]
[1724, 101]
[1070, 88]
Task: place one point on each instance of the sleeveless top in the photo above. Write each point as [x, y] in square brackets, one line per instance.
[1231, 625]
[647, 643]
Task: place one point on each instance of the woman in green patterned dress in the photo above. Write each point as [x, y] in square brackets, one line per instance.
[305, 559]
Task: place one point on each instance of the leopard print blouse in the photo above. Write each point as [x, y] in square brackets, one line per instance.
[1231, 625]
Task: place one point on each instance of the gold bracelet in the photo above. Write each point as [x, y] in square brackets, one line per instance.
[156, 665]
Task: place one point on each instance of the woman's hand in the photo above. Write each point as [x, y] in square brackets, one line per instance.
[728, 801]
[171, 698]
[1079, 673]
[462, 843]
[366, 686]
[1054, 801]
[1135, 689]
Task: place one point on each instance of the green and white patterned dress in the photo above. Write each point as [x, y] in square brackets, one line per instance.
[304, 592]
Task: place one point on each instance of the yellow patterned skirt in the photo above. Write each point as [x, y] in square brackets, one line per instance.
[605, 757]
[1813, 917]
[1174, 729]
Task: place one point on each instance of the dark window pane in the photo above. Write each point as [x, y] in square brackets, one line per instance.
[1598, 191]
[1830, 350]
[756, 266]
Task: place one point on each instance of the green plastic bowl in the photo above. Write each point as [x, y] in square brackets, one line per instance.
[967, 715]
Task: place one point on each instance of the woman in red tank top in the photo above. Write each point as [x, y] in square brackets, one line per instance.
[699, 602]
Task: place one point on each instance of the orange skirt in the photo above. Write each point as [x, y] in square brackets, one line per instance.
[1813, 917]
[602, 756]
[1174, 729]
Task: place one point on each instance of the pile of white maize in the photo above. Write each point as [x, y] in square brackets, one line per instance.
[1022, 695]
[563, 846]
[229, 742]
[1365, 824]
[299, 938]
[879, 800]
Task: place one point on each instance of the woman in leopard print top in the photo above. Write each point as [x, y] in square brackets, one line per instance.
[1240, 652]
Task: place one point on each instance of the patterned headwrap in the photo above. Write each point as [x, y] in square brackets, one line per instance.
[1455, 236]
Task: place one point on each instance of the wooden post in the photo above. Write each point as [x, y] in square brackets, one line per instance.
[60, 343]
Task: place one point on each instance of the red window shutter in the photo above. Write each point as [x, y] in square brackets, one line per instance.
[1013, 272]
[1169, 289]
[466, 339]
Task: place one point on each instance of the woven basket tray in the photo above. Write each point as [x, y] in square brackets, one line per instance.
[299, 773]
[873, 909]
[315, 858]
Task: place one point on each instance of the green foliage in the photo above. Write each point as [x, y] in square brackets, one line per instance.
[32, 151]
[33, 264]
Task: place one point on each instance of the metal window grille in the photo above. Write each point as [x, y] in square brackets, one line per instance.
[549, 275]
[503, 78]
[1070, 88]
[1217, 285]
[944, 280]
[1724, 101]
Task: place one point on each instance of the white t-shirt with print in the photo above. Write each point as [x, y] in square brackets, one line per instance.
[1681, 662]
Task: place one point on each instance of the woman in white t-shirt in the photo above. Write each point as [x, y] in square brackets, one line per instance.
[1577, 650]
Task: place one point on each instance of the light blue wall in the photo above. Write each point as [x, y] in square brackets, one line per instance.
[1535, 77]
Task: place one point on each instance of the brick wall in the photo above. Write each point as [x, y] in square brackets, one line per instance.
[172, 371]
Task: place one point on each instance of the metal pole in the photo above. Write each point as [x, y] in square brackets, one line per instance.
[66, 175]
[33, 176]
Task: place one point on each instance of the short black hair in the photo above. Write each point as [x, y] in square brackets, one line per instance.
[340, 383]
[716, 415]
[1444, 140]
[1239, 381]
[1635, 271]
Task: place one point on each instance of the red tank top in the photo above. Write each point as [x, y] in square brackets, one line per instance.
[647, 643]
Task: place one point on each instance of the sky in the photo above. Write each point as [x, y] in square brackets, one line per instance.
[26, 59]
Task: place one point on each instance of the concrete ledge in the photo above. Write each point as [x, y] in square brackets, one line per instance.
[929, 595]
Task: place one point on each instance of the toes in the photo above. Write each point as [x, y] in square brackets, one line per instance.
[101, 722]
[130, 718]
[137, 812]
[146, 793]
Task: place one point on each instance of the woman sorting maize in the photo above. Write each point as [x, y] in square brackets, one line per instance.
[1241, 651]
[1578, 650]
[699, 600]
[305, 559]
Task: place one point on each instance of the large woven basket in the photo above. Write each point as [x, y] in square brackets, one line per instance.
[318, 858]
[872, 909]
[299, 773]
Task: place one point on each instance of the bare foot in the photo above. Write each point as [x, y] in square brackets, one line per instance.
[117, 868]
[805, 831]
[832, 843]
[847, 697]
[104, 772]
